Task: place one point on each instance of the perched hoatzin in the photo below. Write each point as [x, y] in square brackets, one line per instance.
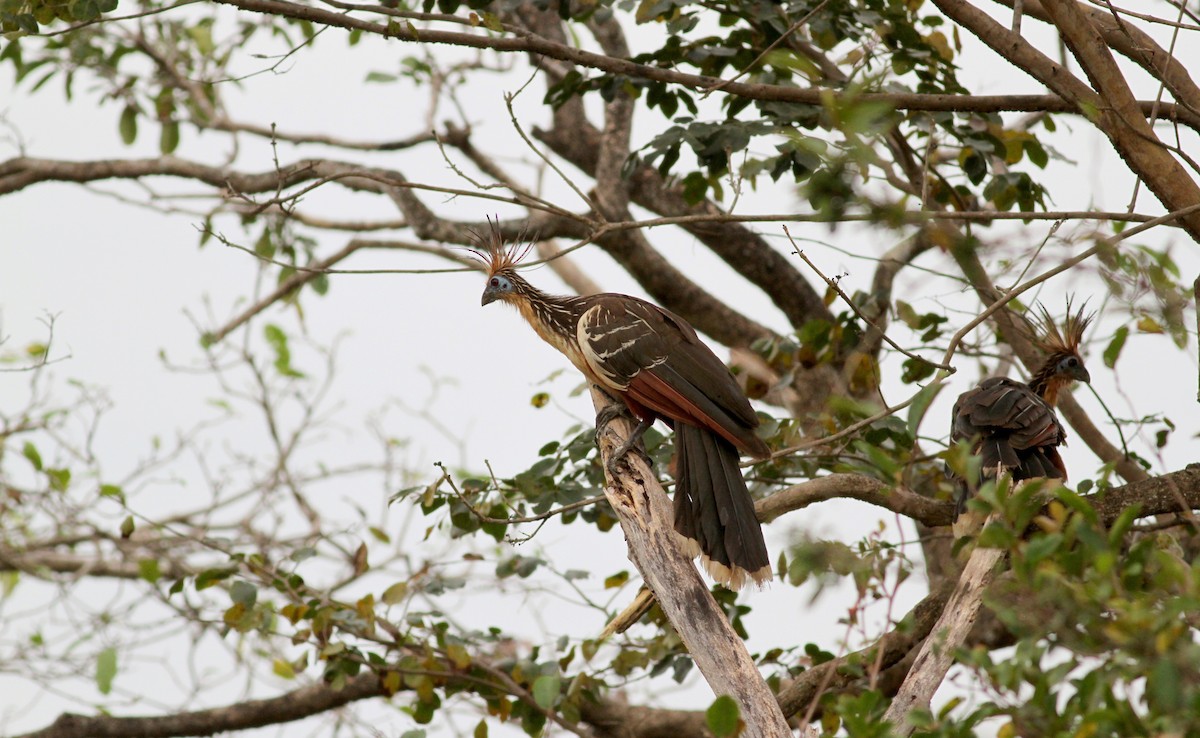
[652, 360]
[1012, 424]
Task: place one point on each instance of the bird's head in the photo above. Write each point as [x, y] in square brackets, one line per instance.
[500, 264]
[500, 286]
[1061, 344]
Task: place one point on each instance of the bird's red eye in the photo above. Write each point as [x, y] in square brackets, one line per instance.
[495, 282]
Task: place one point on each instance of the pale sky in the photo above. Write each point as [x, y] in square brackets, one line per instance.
[121, 281]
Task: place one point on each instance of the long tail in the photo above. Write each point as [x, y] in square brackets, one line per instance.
[714, 510]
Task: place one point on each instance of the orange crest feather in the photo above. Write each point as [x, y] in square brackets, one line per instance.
[491, 252]
[1064, 340]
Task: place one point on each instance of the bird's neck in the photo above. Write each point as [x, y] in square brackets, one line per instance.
[553, 317]
[1046, 382]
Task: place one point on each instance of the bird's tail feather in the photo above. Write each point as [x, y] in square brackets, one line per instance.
[714, 511]
[997, 451]
[1037, 464]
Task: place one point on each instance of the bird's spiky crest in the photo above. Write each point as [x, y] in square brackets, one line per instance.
[493, 254]
[1066, 339]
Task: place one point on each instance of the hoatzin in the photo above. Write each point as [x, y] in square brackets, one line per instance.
[1012, 424]
[653, 360]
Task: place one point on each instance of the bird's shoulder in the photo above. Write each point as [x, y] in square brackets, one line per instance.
[1002, 404]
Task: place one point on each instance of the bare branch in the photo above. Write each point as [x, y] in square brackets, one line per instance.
[951, 631]
[295, 705]
[645, 515]
[531, 43]
[856, 487]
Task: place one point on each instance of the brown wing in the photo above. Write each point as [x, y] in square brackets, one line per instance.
[1013, 427]
[656, 360]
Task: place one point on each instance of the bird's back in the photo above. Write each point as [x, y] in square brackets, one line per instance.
[1013, 429]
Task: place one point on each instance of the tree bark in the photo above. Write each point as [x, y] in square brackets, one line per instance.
[951, 631]
[645, 514]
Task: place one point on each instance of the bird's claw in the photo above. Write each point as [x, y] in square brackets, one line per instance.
[630, 444]
[608, 414]
[611, 412]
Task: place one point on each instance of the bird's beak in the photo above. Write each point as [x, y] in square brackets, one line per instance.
[1081, 374]
[489, 295]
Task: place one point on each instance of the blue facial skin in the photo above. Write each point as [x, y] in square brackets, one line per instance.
[497, 287]
[1073, 368]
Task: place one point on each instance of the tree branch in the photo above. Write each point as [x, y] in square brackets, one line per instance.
[888, 650]
[531, 43]
[645, 515]
[856, 487]
[295, 705]
[953, 626]
[1135, 44]
[1110, 107]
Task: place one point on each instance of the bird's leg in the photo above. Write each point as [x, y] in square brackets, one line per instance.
[611, 412]
[634, 439]
[615, 408]
[618, 408]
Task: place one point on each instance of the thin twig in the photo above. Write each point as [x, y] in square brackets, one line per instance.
[782, 37]
[833, 285]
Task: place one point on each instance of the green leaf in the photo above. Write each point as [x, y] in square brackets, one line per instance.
[283, 669]
[545, 690]
[973, 164]
[30, 452]
[168, 141]
[1040, 547]
[106, 670]
[915, 370]
[243, 593]
[492, 22]
[1123, 523]
[201, 34]
[722, 717]
[8, 582]
[616, 580]
[209, 577]
[395, 594]
[1036, 153]
[148, 570]
[112, 490]
[481, 730]
[128, 125]
[127, 526]
[60, 479]
[694, 187]
[283, 356]
[1164, 688]
[916, 411]
[1147, 324]
[1113, 351]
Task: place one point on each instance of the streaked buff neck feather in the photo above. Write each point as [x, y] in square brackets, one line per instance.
[1047, 383]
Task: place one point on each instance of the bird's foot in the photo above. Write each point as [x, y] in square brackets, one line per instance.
[609, 413]
[631, 443]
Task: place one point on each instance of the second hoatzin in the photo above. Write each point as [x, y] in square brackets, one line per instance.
[653, 360]
[1012, 425]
